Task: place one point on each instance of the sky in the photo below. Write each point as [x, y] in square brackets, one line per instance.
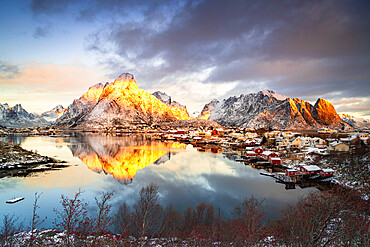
[51, 52]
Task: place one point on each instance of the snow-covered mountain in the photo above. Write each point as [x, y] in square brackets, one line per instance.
[54, 113]
[207, 109]
[117, 103]
[18, 117]
[267, 109]
[355, 122]
[178, 110]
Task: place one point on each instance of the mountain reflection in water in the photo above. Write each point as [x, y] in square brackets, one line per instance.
[122, 157]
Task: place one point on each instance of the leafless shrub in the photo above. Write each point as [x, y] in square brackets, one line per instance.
[337, 217]
[147, 213]
[10, 226]
[36, 221]
[71, 219]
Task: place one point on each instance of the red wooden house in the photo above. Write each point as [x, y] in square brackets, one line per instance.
[266, 155]
[326, 173]
[310, 169]
[275, 160]
[291, 172]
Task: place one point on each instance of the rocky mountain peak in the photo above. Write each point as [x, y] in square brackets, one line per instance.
[325, 113]
[117, 103]
[271, 93]
[126, 76]
[92, 95]
[207, 109]
[125, 82]
[178, 110]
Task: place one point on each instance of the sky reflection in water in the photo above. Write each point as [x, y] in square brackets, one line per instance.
[126, 164]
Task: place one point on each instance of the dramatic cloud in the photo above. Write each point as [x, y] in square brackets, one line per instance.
[306, 49]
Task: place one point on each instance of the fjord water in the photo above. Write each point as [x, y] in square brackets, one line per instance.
[100, 163]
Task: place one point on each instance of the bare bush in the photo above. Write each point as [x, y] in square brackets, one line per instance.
[147, 213]
[337, 217]
[248, 226]
[36, 221]
[72, 218]
[10, 226]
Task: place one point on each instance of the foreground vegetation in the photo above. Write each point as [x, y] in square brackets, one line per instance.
[331, 218]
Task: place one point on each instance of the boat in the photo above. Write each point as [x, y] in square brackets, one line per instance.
[15, 200]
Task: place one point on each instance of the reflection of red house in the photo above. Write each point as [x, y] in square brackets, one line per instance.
[327, 172]
[310, 170]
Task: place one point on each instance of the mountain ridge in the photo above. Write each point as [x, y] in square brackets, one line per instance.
[267, 109]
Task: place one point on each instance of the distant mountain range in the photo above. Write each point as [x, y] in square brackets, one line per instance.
[54, 113]
[122, 103]
[267, 109]
[17, 117]
[355, 122]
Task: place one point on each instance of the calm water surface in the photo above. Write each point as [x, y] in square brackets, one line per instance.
[100, 163]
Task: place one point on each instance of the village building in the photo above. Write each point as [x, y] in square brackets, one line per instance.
[291, 172]
[295, 143]
[353, 140]
[338, 147]
[266, 155]
[366, 140]
[251, 143]
[218, 132]
[326, 172]
[282, 142]
[310, 169]
[306, 141]
[317, 142]
[204, 134]
[250, 135]
[274, 160]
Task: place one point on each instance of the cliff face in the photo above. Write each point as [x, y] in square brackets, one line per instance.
[178, 110]
[324, 113]
[267, 109]
[207, 109]
[117, 103]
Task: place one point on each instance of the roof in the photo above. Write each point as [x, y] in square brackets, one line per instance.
[275, 158]
[267, 153]
[292, 170]
[334, 144]
[311, 168]
[328, 170]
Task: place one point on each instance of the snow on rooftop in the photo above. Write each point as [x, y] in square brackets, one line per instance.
[311, 168]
